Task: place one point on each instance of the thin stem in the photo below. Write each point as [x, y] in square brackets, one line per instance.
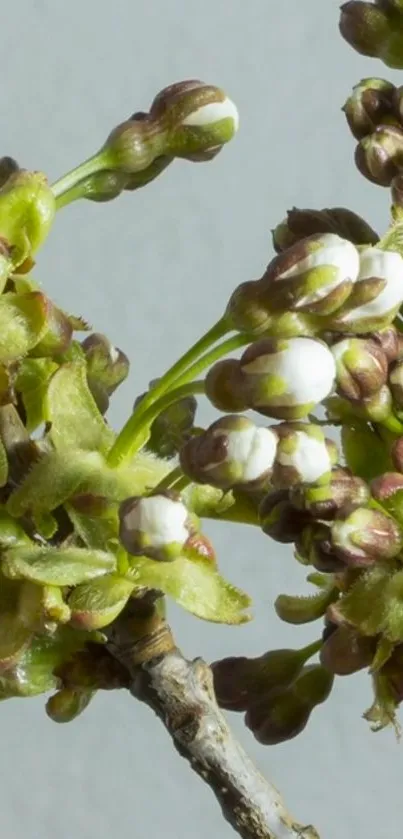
[168, 480]
[212, 356]
[181, 365]
[72, 179]
[135, 432]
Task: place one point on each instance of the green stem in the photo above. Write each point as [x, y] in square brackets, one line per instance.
[135, 432]
[213, 355]
[180, 368]
[392, 424]
[169, 479]
[72, 179]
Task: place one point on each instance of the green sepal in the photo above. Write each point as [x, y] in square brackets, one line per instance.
[304, 609]
[32, 383]
[96, 604]
[56, 566]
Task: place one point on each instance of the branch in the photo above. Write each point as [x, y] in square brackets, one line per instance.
[182, 695]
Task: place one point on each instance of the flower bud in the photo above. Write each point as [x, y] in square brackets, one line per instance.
[396, 383]
[370, 104]
[27, 209]
[232, 452]
[286, 379]
[365, 536]
[362, 367]
[304, 456]
[388, 490]
[379, 156]
[345, 651]
[107, 368]
[224, 386]
[240, 681]
[397, 454]
[157, 526]
[389, 341]
[314, 275]
[57, 335]
[285, 713]
[300, 224]
[324, 502]
[172, 427]
[199, 119]
[67, 704]
[279, 519]
[314, 547]
[371, 30]
[377, 294]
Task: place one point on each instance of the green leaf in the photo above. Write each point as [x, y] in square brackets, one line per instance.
[194, 584]
[96, 604]
[32, 383]
[100, 531]
[56, 566]
[365, 451]
[299, 609]
[11, 532]
[365, 605]
[22, 321]
[52, 480]
[72, 411]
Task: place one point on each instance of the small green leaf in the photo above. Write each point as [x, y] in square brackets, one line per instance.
[34, 672]
[299, 609]
[360, 439]
[96, 604]
[97, 530]
[11, 532]
[56, 566]
[52, 480]
[72, 411]
[32, 383]
[195, 585]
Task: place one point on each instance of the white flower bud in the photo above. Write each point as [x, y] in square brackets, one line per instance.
[155, 525]
[382, 265]
[287, 378]
[214, 112]
[253, 449]
[309, 457]
[327, 251]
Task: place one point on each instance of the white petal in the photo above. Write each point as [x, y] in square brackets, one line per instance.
[310, 457]
[163, 519]
[335, 252]
[254, 448]
[307, 368]
[214, 112]
[387, 265]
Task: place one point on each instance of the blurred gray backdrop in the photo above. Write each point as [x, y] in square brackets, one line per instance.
[153, 270]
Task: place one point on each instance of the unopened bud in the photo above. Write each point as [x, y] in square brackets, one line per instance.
[279, 519]
[324, 502]
[199, 119]
[157, 526]
[345, 651]
[284, 714]
[8, 167]
[224, 386]
[396, 384]
[389, 341]
[379, 156]
[377, 294]
[365, 536]
[286, 379]
[27, 209]
[370, 104]
[232, 452]
[67, 704]
[362, 367]
[371, 30]
[314, 547]
[240, 681]
[397, 454]
[388, 490]
[315, 275]
[56, 338]
[304, 456]
[337, 220]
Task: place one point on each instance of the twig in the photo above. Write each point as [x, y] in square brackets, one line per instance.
[182, 695]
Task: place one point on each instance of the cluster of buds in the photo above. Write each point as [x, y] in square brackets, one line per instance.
[321, 283]
[277, 691]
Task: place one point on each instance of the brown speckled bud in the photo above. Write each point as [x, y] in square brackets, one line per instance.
[379, 156]
[344, 490]
[280, 519]
[362, 368]
[345, 651]
[370, 104]
[300, 224]
[224, 386]
[314, 547]
[365, 536]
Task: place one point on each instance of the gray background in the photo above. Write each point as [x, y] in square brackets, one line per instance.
[153, 270]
